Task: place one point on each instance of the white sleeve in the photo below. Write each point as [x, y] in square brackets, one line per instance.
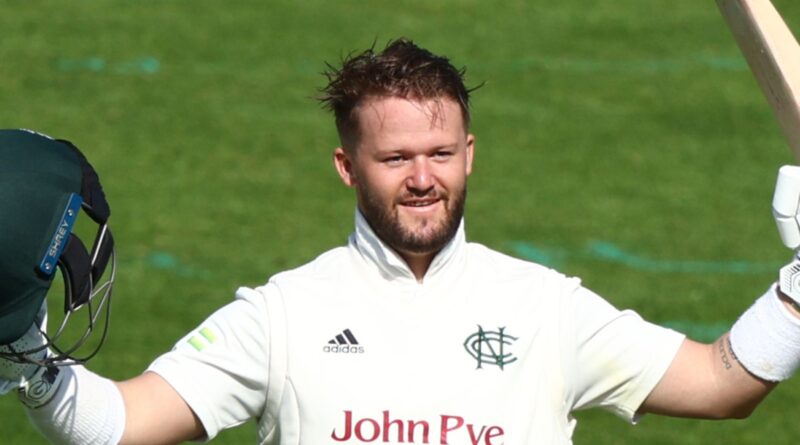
[220, 368]
[618, 357]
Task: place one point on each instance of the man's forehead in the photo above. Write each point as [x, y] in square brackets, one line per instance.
[387, 110]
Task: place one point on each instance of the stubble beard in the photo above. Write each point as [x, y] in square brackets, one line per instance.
[385, 222]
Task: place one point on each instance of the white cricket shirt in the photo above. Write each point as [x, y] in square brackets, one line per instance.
[487, 349]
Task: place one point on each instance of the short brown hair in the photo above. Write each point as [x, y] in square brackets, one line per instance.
[402, 69]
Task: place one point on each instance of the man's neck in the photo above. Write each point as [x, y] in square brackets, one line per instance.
[418, 263]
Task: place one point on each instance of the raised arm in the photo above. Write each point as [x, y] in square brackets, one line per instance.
[730, 377]
[707, 381]
[72, 405]
[156, 414]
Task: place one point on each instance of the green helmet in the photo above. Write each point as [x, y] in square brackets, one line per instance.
[44, 184]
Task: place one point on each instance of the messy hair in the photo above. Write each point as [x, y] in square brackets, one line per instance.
[402, 69]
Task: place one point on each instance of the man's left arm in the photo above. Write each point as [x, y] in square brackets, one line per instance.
[729, 378]
[711, 381]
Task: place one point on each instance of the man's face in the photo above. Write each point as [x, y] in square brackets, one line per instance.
[409, 167]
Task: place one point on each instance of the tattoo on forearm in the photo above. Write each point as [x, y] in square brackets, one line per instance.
[724, 354]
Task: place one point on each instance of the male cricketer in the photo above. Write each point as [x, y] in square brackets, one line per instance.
[410, 334]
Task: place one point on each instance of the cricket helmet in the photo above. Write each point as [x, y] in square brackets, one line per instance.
[44, 184]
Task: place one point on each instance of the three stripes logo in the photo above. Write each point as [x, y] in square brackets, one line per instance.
[343, 343]
[203, 338]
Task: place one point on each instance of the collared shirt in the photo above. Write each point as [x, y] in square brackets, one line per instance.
[485, 349]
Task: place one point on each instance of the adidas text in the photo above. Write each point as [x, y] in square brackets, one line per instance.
[343, 349]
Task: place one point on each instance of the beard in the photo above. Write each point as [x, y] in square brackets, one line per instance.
[429, 236]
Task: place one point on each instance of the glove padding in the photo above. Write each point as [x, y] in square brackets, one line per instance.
[786, 206]
[15, 374]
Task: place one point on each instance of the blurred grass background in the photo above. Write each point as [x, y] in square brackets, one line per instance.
[634, 124]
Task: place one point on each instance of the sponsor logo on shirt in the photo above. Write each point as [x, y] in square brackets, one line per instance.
[343, 343]
[445, 429]
[490, 347]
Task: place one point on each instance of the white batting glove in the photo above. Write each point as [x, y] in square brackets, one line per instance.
[15, 374]
[36, 384]
[786, 206]
[786, 210]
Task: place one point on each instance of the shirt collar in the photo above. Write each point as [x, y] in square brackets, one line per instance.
[391, 265]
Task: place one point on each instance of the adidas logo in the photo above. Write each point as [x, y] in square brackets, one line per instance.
[344, 343]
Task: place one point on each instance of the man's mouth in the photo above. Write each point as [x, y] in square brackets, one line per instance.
[419, 202]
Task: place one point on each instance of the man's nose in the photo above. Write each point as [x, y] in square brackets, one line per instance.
[421, 176]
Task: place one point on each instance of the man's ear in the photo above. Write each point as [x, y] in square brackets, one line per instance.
[470, 153]
[344, 166]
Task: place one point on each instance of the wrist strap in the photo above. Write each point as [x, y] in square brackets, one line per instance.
[766, 339]
[84, 408]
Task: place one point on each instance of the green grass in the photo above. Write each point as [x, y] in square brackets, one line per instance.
[633, 123]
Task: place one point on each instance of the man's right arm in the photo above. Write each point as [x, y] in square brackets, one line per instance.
[164, 405]
[72, 405]
[156, 413]
[86, 408]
